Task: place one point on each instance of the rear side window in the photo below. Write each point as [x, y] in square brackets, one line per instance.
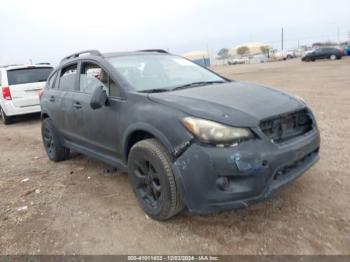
[28, 75]
[68, 77]
[329, 50]
[51, 81]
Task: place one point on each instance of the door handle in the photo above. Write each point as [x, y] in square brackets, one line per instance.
[52, 99]
[77, 105]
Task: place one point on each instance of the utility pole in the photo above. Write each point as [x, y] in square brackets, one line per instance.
[207, 46]
[282, 40]
[338, 35]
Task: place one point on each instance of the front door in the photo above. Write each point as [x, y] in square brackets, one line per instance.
[97, 130]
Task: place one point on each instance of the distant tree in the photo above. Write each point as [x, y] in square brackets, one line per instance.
[265, 49]
[243, 50]
[224, 53]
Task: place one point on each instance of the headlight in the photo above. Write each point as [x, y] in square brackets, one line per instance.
[214, 133]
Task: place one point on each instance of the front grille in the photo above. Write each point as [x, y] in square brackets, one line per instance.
[288, 126]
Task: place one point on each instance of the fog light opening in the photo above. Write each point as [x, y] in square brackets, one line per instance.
[222, 183]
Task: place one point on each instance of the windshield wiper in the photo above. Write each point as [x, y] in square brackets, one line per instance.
[155, 90]
[194, 84]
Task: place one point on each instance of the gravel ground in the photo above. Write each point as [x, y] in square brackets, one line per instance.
[80, 207]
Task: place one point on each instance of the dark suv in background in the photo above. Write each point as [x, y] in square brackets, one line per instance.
[187, 136]
[323, 53]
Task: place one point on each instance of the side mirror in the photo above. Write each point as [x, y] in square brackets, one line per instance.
[99, 98]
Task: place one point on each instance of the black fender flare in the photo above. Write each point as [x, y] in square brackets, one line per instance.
[141, 126]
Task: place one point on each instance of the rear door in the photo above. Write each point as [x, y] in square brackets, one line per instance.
[324, 53]
[328, 52]
[25, 83]
[61, 99]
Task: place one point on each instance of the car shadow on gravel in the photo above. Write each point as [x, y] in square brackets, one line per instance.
[101, 185]
[27, 119]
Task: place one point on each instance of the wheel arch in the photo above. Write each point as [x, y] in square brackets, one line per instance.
[141, 131]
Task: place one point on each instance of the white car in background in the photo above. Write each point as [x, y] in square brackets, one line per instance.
[284, 54]
[20, 86]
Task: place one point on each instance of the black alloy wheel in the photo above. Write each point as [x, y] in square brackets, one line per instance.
[152, 179]
[148, 183]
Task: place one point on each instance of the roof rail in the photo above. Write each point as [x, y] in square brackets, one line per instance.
[92, 52]
[154, 50]
[4, 66]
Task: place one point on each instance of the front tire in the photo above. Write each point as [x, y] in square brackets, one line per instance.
[153, 181]
[5, 119]
[52, 143]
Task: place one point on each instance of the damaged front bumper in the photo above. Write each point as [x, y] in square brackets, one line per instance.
[213, 179]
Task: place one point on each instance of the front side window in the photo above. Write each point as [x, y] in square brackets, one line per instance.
[92, 76]
[28, 75]
[68, 77]
[158, 71]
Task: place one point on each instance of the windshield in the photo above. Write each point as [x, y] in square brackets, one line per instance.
[154, 71]
[28, 75]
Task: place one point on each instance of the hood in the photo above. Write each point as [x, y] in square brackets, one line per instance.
[234, 103]
[308, 53]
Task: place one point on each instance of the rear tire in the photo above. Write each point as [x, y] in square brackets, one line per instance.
[333, 57]
[52, 143]
[5, 119]
[152, 179]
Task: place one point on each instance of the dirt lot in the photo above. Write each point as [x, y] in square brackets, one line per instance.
[81, 208]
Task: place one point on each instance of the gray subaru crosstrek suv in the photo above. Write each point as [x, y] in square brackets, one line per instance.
[188, 137]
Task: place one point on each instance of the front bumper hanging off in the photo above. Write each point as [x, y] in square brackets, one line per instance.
[212, 179]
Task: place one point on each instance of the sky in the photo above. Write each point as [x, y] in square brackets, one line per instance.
[46, 31]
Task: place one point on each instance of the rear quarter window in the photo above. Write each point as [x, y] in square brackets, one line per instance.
[28, 75]
[51, 81]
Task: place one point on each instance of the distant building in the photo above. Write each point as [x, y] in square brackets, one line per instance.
[199, 57]
[254, 48]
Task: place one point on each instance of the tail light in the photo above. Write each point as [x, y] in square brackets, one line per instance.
[6, 93]
[41, 92]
